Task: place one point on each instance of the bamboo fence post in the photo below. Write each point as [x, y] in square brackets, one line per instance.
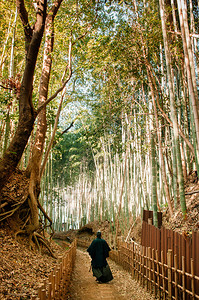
[153, 271]
[183, 278]
[58, 276]
[176, 276]
[53, 285]
[56, 280]
[192, 279]
[145, 266]
[136, 264]
[150, 277]
[39, 290]
[50, 291]
[140, 253]
[158, 273]
[43, 294]
[147, 270]
[169, 263]
[66, 261]
[143, 269]
[61, 270]
[62, 263]
[163, 275]
[44, 283]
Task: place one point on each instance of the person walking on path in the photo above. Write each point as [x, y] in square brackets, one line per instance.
[99, 251]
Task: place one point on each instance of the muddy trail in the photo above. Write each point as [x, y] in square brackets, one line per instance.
[84, 287]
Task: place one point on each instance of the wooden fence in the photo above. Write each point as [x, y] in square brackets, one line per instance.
[185, 254]
[58, 281]
[165, 278]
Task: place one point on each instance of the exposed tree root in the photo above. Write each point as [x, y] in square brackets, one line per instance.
[36, 241]
[21, 202]
[38, 238]
[42, 240]
[4, 204]
[19, 232]
[9, 213]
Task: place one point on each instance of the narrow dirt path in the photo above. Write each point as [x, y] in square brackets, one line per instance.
[84, 286]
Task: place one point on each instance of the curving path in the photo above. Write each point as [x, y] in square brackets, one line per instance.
[84, 286]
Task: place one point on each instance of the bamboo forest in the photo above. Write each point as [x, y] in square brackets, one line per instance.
[99, 121]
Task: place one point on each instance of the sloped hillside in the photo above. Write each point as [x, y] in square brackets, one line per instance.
[21, 269]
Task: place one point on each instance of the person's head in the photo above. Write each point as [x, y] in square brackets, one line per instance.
[99, 234]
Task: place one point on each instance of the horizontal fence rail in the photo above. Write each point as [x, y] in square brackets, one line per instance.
[58, 281]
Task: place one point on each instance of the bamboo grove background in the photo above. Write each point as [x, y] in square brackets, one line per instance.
[134, 99]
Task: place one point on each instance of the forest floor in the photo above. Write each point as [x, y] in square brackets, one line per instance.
[22, 270]
[84, 287]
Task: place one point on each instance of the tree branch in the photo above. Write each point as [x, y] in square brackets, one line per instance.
[72, 123]
[24, 18]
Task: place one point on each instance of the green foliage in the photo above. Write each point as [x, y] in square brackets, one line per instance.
[71, 153]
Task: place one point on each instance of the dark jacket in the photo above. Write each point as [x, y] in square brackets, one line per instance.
[99, 251]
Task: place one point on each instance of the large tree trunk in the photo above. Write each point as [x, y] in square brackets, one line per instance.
[13, 154]
[35, 161]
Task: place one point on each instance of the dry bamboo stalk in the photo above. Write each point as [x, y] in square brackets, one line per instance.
[56, 280]
[192, 278]
[61, 270]
[183, 278]
[169, 263]
[146, 267]
[43, 294]
[163, 275]
[153, 271]
[150, 275]
[58, 276]
[176, 276]
[39, 291]
[136, 263]
[53, 285]
[158, 273]
[50, 291]
[140, 265]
